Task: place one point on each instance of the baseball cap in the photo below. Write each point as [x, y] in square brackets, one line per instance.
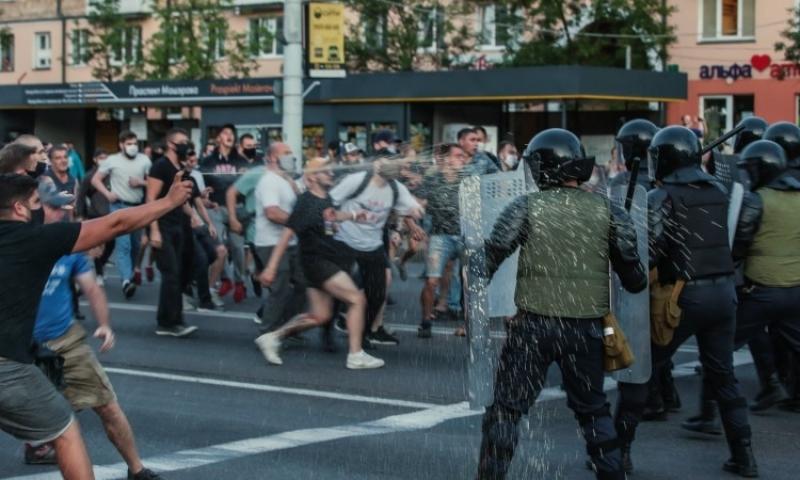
[50, 196]
[351, 148]
[384, 136]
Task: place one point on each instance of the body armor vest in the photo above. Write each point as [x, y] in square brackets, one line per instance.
[774, 258]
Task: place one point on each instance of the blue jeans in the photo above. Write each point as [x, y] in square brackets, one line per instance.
[126, 249]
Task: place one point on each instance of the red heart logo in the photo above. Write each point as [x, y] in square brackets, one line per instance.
[760, 62]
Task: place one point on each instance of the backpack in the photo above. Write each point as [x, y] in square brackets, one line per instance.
[363, 186]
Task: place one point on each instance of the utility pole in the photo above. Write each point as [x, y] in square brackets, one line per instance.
[293, 76]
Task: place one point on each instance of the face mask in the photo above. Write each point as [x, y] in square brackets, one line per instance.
[41, 167]
[481, 146]
[392, 149]
[511, 161]
[182, 151]
[287, 163]
[249, 153]
[131, 150]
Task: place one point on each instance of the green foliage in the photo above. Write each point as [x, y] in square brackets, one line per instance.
[569, 32]
[402, 36]
[192, 39]
[790, 45]
[103, 41]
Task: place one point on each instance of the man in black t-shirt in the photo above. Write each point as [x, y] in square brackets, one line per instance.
[30, 407]
[171, 237]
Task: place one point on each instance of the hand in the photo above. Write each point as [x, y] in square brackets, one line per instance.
[96, 252]
[112, 197]
[206, 192]
[135, 182]
[212, 231]
[107, 336]
[235, 225]
[155, 239]
[417, 233]
[267, 277]
[362, 216]
[180, 191]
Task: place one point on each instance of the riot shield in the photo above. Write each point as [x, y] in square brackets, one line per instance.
[633, 309]
[734, 209]
[726, 169]
[482, 200]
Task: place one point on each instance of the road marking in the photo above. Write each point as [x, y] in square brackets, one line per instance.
[194, 458]
[272, 388]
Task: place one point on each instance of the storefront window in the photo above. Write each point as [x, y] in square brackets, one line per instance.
[354, 133]
[313, 141]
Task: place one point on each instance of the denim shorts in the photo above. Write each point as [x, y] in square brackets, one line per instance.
[31, 409]
[442, 249]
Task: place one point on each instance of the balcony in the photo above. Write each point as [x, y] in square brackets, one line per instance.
[133, 8]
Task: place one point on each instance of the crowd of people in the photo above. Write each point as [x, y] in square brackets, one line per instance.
[321, 241]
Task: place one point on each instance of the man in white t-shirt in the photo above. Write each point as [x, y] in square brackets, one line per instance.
[127, 172]
[275, 195]
[379, 194]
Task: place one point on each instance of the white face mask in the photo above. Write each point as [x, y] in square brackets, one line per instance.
[287, 163]
[481, 147]
[511, 161]
[131, 150]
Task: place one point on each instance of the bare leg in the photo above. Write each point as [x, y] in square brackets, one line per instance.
[321, 311]
[216, 268]
[119, 432]
[342, 288]
[73, 460]
[444, 287]
[428, 296]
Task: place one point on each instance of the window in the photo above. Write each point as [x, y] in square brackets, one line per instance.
[129, 50]
[428, 30]
[374, 31]
[266, 36]
[80, 47]
[6, 52]
[42, 51]
[216, 41]
[728, 19]
[722, 112]
[488, 26]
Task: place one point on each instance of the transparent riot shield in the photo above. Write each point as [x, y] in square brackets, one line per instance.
[734, 209]
[633, 309]
[482, 200]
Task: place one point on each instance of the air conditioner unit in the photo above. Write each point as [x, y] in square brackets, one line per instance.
[43, 62]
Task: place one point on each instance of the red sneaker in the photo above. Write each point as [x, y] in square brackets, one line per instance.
[137, 277]
[150, 273]
[239, 292]
[225, 287]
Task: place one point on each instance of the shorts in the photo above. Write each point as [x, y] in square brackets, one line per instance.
[442, 249]
[206, 242]
[319, 270]
[31, 409]
[88, 385]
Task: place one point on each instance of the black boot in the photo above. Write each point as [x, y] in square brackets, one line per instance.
[772, 393]
[706, 421]
[627, 462]
[655, 409]
[672, 400]
[742, 461]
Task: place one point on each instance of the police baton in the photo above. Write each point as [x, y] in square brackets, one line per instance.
[632, 183]
[716, 143]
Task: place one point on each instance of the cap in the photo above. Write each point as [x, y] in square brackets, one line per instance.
[51, 197]
[351, 148]
[315, 165]
[383, 136]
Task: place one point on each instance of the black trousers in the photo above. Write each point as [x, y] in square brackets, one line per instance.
[100, 262]
[174, 260]
[534, 342]
[204, 254]
[372, 268]
[709, 313]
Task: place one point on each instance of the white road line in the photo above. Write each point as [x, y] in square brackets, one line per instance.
[272, 388]
[194, 458]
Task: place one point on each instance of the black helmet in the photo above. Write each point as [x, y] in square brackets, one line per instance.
[556, 155]
[673, 148]
[787, 135]
[754, 128]
[634, 139]
[764, 160]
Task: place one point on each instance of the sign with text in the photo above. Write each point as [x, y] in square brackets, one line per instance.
[759, 63]
[326, 40]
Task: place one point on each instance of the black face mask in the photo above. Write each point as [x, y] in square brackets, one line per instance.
[249, 153]
[37, 216]
[41, 167]
[182, 151]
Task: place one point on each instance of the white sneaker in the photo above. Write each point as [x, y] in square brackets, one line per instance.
[216, 299]
[188, 303]
[270, 345]
[101, 281]
[362, 360]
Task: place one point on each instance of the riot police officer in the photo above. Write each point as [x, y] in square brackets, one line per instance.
[754, 128]
[633, 140]
[690, 246]
[787, 135]
[567, 237]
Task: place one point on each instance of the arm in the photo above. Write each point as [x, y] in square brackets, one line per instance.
[417, 233]
[101, 230]
[748, 225]
[268, 275]
[230, 204]
[99, 185]
[276, 215]
[99, 304]
[154, 186]
[200, 207]
[623, 251]
[659, 208]
[510, 232]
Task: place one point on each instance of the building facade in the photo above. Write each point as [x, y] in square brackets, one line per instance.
[727, 49]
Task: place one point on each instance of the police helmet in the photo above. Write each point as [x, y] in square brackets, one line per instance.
[764, 160]
[787, 135]
[754, 128]
[555, 156]
[633, 140]
[673, 148]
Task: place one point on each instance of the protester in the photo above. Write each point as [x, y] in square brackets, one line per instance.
[93, 204]
[59, 171]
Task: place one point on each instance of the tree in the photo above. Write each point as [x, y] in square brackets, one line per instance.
[100, 46]
[570, 32]
[194, 42]
[402, 36]
[790, 44]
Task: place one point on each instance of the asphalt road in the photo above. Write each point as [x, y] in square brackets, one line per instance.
[209, 407]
